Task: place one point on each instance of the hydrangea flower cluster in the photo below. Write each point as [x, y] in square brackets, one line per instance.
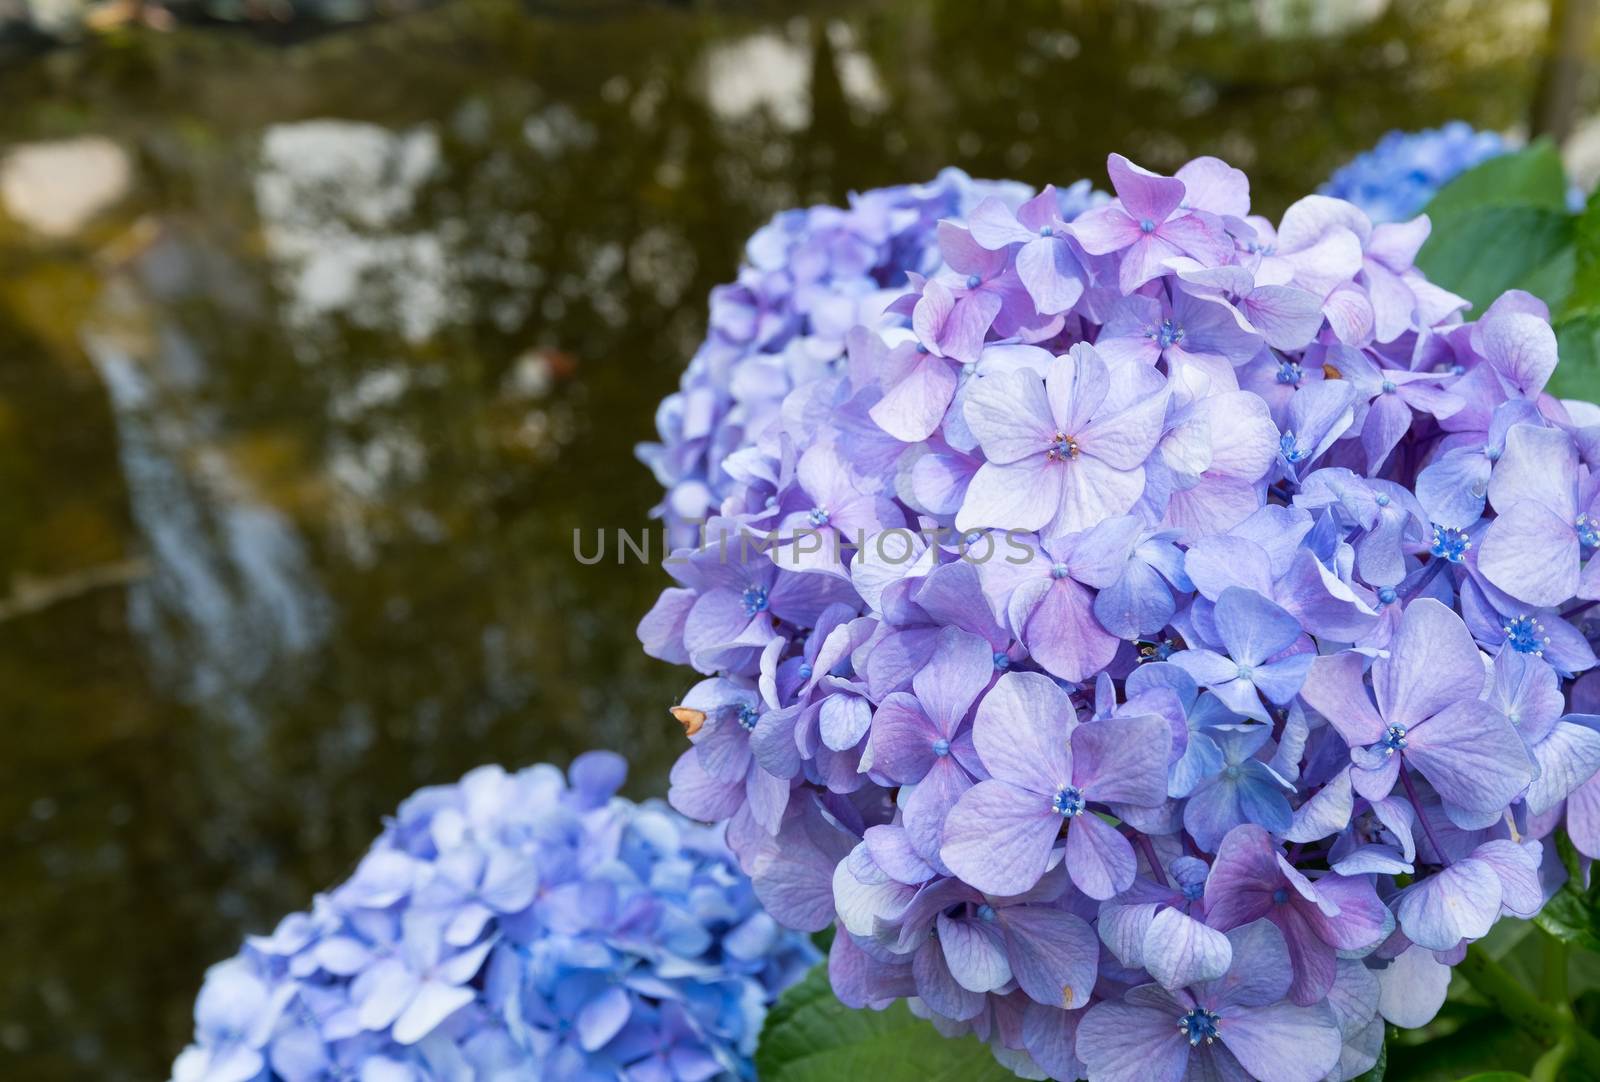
[1395, 179]
[809, 276]
[1163, 645]
[510, 926]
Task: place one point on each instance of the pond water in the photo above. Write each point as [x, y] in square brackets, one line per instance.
[312, 358]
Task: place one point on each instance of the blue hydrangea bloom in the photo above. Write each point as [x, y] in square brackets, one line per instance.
[1395, 179]
[528, 925]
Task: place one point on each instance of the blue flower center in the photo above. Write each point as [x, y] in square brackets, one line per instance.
[1588, 531]
[1068, 802]
[1290, 451]
[941, 747]
[1526, 635]
[1168, 334]
[1199, 1025]
[986, 913]
[1394, 739]
[1290, 373]
[805, 670]
[754, 599]
[1062, 448]
[1046, 231]
[1383, 499]
[1002, 660]
[1146, 225]
[819, 516]
[1387, 595]
[748, 718]
[974, 281]
[1492, 453]
[1388, 386]
[1059, 571]
[1280, 896]
[1245, 672]
[1192, 892]
[1448, 544]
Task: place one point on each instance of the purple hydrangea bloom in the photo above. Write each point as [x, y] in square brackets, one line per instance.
[512, 925]
[1166, 615]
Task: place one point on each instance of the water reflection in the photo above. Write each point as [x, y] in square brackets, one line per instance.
[294, 434]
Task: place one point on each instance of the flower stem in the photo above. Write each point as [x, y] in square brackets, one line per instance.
[1422, 817]
[1551, 1025]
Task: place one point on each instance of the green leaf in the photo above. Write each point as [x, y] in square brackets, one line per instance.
[1578, 346]
[1496, 1076]
[811, 1037]
[1585, 294]
[1533, 177]
[1572, 914]
[1487, 250]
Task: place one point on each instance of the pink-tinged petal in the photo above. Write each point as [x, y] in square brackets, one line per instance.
[1133, 1041]
[1050, 1036]
[1531, 554]
[1239, 888]
[1076, 386]
[768, 798]
[892, 851]
[975, 953]
[1310, 219]
[1387, 420]
[1145, 260]
[1212, 185]
[1583, 818]
[865, 897]
[961, 337]
[1192, 235]
[1433, 661]
[1180, 951]
[1288, 318]
[939, 988]
[1051, 274]
[1452, 487]
[842, 722]
[1567, 757]
[1122, 760]
[1260, 973]
[1411, 989]
[1009, 413]
[903, 740]
[1019, 496]
[1361, 919]
[1517, 865]
[1326, 264]
[1061, 632]
[998, 837]
[1146, 195]
[912, 409]
[1396, 244]
[928, 806]
[1100, 860]
[932, 312]
[1054, 955]
[1459, 902]
[1539, 465]
[1336, 689]
[1021, 732]
[1105, 229]
[963, 254]
[1349, 314]
[1090, 492]
[697, 794]
[1394, 306]
[1472, 755]
[1522, 349]
[1124, 440]
[960, 668]
[661, 629]
[1283, 1041]
[994, 226]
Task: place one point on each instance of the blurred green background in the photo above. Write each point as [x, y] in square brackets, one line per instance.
[322, 326]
